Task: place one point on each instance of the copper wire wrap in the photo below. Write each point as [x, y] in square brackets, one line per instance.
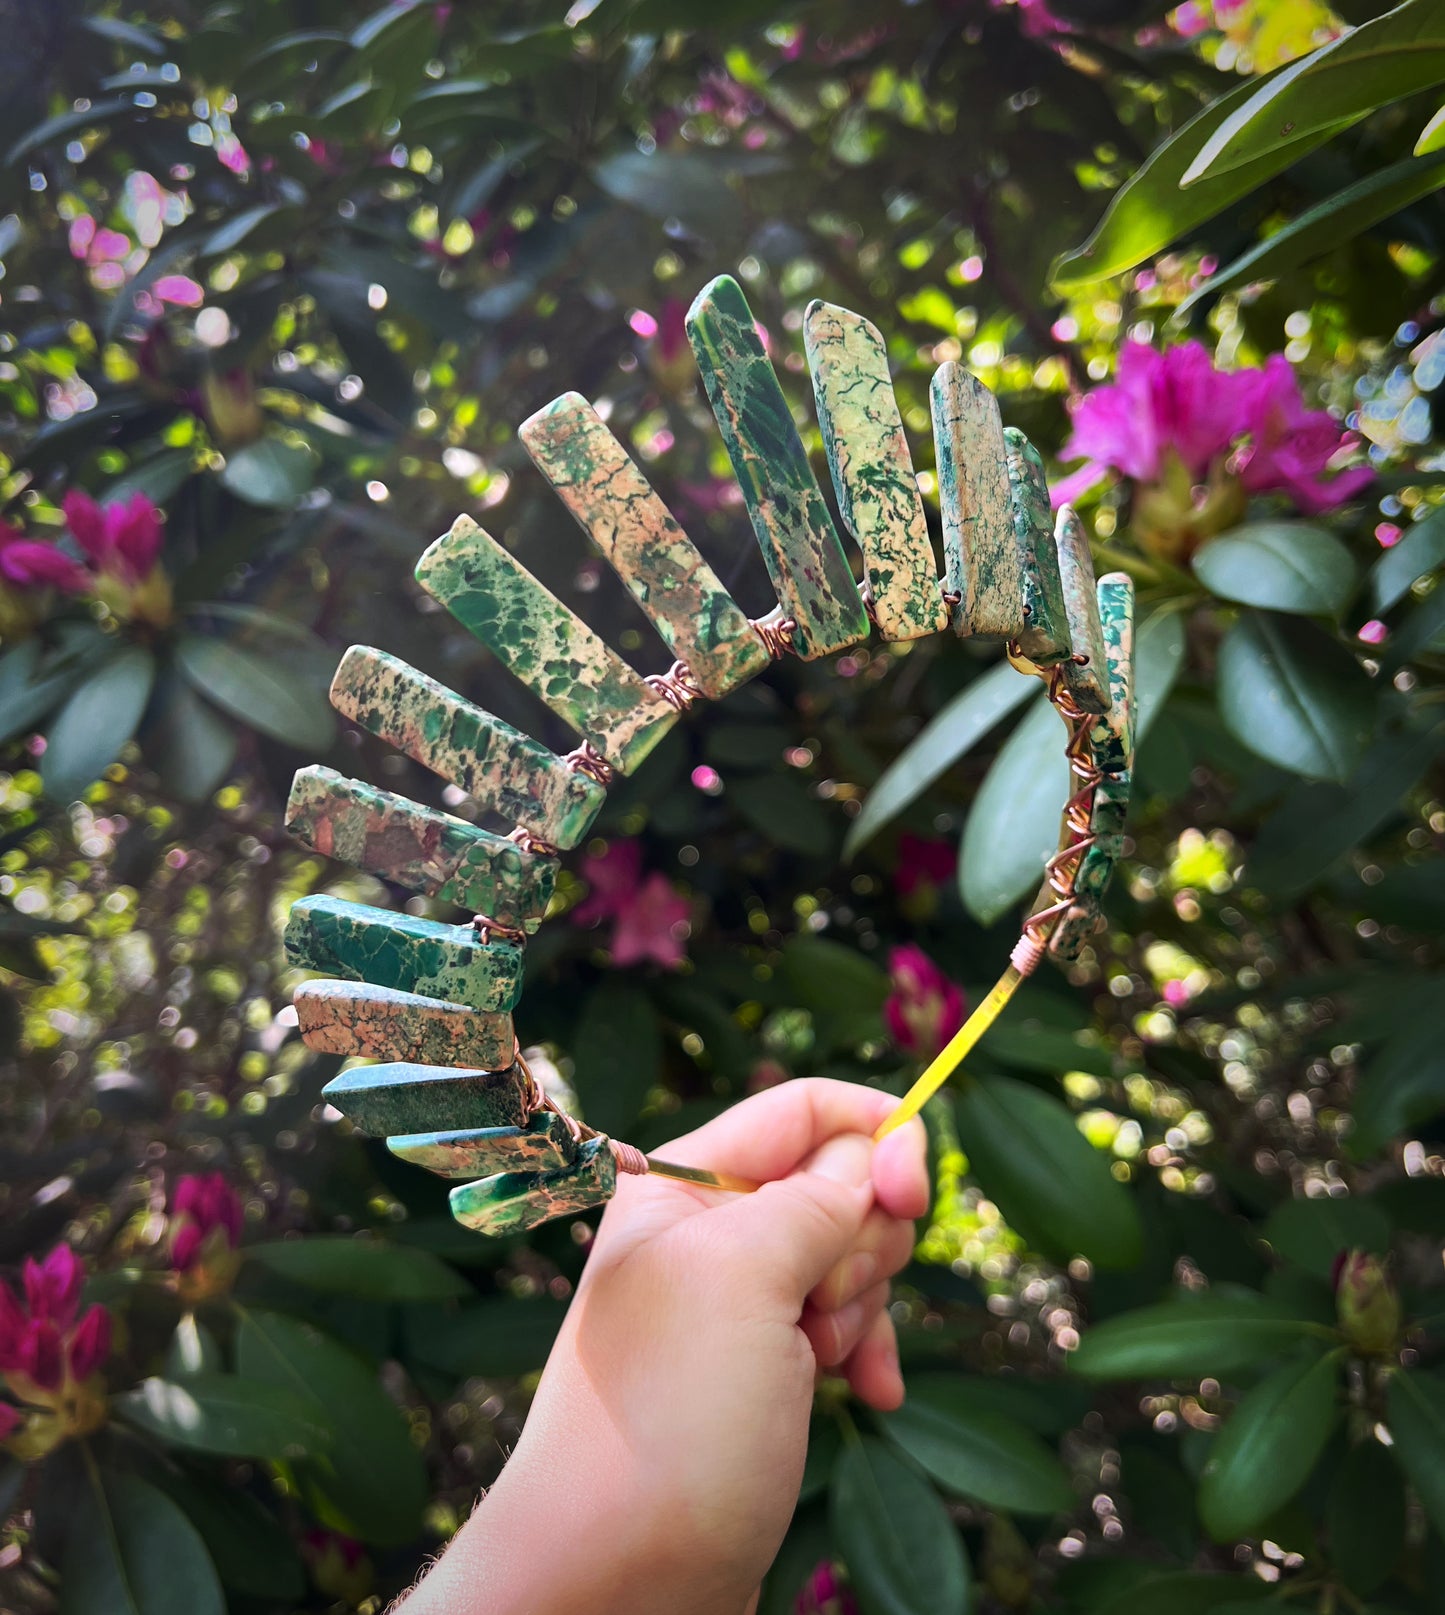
[953, 598]
[530, 843]
[487, 928]
[586, 759]
[865, 594]
[776, 632]
[627, 1156]
[676, 686]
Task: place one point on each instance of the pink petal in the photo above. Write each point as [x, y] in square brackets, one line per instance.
[29, 565]
[179, 289]
[82, 233]
[87, 525]
[90, 1344]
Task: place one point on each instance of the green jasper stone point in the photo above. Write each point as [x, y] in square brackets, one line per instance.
[804, 555]
[1044, 638]
[512, 1202]
[377, 1023]
[497, 765]
[403, 1098]
[403, 951]
[982, 563]
[419, 847]
[872, 470]
[1086, 681]
[545, 644]
[545, 1144]
[641, 539]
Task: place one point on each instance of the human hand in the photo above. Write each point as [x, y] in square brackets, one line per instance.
[662, 1456]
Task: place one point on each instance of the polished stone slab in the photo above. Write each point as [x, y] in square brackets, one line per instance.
[1086, 681]
[512, 1202]
[872, 470]
[982, 563]
[1080, 925]
[644, 544]
[405, 1098]
[804, 555]
[403, 951]
[546, 645]
[1112, 736]
[1044, 638]
[378, 1023]
[545, 1144]
[418, 847]
[500, 767]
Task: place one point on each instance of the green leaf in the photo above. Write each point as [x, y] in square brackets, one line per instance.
[949, 735]
[1294, 695]
[618, 1056]
[159, 477]
[1268, 1447]
[1208, 1335]
[131, 1551]
[689, 186]
[1383, 61]
[1432, 136]
[99, 716]
[188, 743]
[1149, 211]
[1284, 566]
[982, 1455]
[32, 683]
[903, 1552]
[1365, 1517]
[1339, 219]
[66, 124]
[842, 989]
[252, 1553]
[193, 1350]
[255, 229]
[227, 1415]
[364, 1269]
[374, 1485]
[1418, 553]
[1403, 1084]
[1184, 1592]
[261, 691]
[1058, 1193]
[498, 1338]
[1416, 1410]
[1317, 825]
[781, 808]
[1013, 826]
[269, 472]
[1311, 1233]
[1159, 648]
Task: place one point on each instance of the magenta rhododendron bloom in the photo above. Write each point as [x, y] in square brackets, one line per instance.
[824, 1594]
[205, 1213]
[1290, 447]
[122, 538]
[924, 1008]
[45, 1344]
[649, 916]
[27, 564]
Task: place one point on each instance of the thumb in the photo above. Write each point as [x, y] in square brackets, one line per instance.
[795, 1229]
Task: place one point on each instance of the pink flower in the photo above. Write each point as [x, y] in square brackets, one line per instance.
[42, 1347]
[925, 1008]
[824, 1594]
[231, 154]
[1290, 446]
[123, 539]
[923, 863]
[26, 564]
[205, 1213]
[52, 1287]
[11, 1418]
[649, 916]
[1189, 19]
[90, 1344]
[40, 1358]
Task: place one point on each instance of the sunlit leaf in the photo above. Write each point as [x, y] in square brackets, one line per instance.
[1283, 566]
[1216, 1335]
[225, 1415]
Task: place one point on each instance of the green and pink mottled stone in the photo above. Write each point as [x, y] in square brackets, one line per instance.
[419, 848]
[378, 1023]
[872, 470]
[545, 1144]
[804, 555]
[545, 644]
[643, 543]
[982, 563]
[403, 951]
[1044, 638]
[1086, 681]
[512, 1202]
[499, 766]
[405, 1098]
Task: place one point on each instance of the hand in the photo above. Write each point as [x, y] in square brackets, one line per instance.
[662, 1456]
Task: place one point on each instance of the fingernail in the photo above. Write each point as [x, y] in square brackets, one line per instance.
[846, 1160]
[862, 1269]
[847, 1322]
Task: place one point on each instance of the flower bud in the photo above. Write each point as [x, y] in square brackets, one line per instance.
[90, 1343]
[1366, 1303]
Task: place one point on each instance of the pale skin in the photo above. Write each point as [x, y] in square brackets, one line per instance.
[661, 1458]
